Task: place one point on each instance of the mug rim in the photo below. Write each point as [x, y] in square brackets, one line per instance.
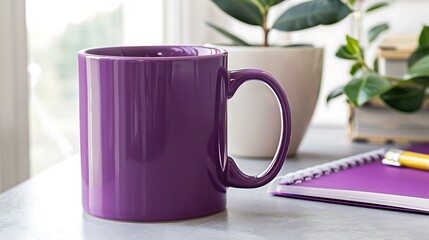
[220, 52]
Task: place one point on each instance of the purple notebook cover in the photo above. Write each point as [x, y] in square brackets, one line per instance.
[374, 177]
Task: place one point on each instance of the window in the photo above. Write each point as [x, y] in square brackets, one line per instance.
[57, 30]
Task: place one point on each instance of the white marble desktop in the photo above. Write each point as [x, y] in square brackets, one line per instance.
[48, 206]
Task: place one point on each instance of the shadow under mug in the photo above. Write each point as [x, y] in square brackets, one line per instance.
[153, 131]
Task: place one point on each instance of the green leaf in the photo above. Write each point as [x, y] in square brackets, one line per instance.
[355, 67]
[417, 55]
[351, 2]
[360, 90]
[422, 81]
[312, 13]
[352, 45]
[404, 98]
[376, 6]
[343, 53]
[270, 3]
[375, 65]
[419, 68]
[243, 10]
[375, 31]
[423, 48]
[335, 93]
[296, 45]
[424, 37]
[235, 39]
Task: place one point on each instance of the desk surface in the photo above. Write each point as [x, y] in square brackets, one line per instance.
[48, 206]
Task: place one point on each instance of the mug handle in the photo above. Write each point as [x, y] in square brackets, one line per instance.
[235, 177]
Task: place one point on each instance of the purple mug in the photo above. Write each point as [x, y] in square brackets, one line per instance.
[153, 131]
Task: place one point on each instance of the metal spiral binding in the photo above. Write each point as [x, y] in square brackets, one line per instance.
[334, 166]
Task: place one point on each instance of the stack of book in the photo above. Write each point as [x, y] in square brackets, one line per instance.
[377, 124]
[394, 53]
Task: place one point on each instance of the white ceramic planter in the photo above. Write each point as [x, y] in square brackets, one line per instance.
[253, 112]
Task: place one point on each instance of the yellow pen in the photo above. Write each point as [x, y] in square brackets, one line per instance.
[399, 158]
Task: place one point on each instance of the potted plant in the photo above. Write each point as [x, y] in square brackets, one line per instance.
[253, 115]
[404, 94]
[369, 88]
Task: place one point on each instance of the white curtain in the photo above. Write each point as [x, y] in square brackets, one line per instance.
[14, 160]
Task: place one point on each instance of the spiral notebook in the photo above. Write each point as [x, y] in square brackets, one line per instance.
[361, 180]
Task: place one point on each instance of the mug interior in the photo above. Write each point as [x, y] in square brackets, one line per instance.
[154, 51]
